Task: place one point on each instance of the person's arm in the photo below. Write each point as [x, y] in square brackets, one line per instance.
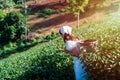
[66, 51]
[74, 52]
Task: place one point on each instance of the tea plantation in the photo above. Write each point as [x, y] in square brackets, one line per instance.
[45, 61]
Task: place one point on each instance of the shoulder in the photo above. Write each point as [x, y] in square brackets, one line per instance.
[71, 43]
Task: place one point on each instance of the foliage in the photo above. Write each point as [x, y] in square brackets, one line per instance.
[43, 61]
[2, 15]
[46, 62]
[14, 18]
[52, 36]
[11, 3]
[19, 1]
[104, 64]
[76, 6]
[7, 33]
[19, 45]
[6, 4]
[46, 12]
[12, 27]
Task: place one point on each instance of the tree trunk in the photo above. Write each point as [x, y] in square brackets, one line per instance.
[78, 18]
[25, 12]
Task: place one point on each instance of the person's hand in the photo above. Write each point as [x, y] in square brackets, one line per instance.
[61, 50]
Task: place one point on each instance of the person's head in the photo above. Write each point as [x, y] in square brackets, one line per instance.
[65, 32]
[65, 29]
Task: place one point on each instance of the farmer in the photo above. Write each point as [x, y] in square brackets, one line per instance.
[73, 48]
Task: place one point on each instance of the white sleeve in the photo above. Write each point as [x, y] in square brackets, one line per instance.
[70, 45]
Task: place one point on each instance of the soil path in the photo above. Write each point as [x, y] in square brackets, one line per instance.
[54, 22]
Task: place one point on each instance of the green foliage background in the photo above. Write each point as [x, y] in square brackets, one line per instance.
[46, 62]
[42, 59]
[6, 4]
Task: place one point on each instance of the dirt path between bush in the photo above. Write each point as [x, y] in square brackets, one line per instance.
[40, 26]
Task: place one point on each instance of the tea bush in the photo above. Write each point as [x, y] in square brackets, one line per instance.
[46, 12]
[104, 64]
[13, 47]
[43, 61]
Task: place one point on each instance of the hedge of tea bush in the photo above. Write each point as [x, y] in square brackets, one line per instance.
[47, 12]
[104, 64]
[13, 47]
[42, 62]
